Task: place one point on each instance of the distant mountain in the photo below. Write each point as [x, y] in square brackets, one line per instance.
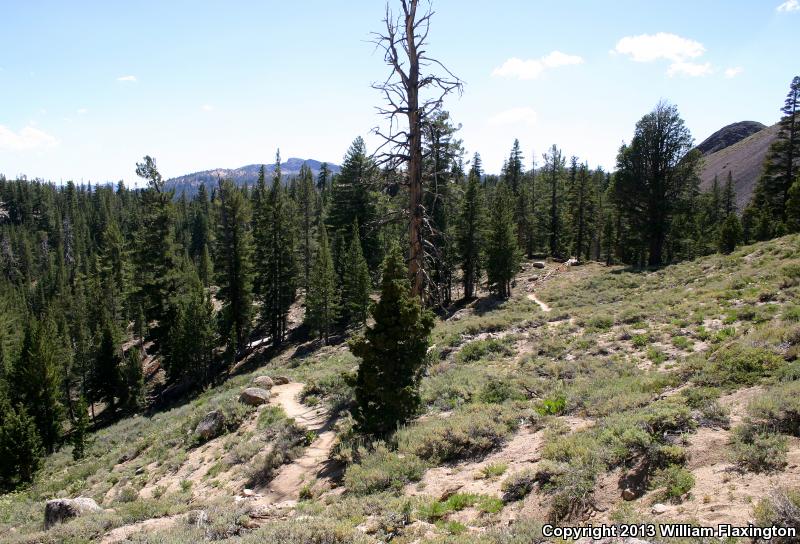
[731, 150]
[729, 135]
[246, 175]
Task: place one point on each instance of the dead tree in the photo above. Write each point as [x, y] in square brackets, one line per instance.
[411, 97]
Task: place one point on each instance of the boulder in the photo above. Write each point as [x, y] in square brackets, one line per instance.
[265, 382]
[628, 494]
[280, 380]
[538, 264]
[60, 510]
[254, 396]
[659, 508]
[211, 425]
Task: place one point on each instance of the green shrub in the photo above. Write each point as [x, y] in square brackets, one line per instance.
[600, 323]
[656, 355]
[497, 392]
[517, 486]
[494, 470]
[791, 313]
[470, 431]
[382, 470]
[480, 349]
[552, 406]
[737, 365]
[782, 509]
[756, 450]
[640, 340]
[674, 482]
[489, 505]
[681, 342]
[778, 409]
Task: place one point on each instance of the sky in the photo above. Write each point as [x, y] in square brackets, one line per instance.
[88, 88]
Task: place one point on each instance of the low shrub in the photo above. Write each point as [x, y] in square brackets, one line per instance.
[494, 470]
[778, 409]
[782, 509]
[481, 349]
[757, 450]
[737, 365]
[469, 432]
[517, 486]
[674, 482]
[381, 470]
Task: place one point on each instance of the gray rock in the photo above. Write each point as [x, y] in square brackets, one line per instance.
[265, 382]
[280, 380]
[659, 508]
[60, 510]
[628, 494]
[538, 264]
[211, 425]
[254, 396]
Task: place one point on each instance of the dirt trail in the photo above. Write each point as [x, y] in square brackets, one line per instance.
[543, 305]
[121, 534]
[314, 463]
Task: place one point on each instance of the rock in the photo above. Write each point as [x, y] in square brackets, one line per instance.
[628, 494]
[211, 425]
[59, 510]
[139, 471]
[659, 508]
[449, 491]
[254, 396]
[265, 382]
[248, 493]
[280, 380]
[538, 264]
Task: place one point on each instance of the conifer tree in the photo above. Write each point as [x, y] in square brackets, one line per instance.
[392, 353]
[80, 429]
[234, 253]
[780, 165]
[729, 196]
[108, 366]
[502, 252]
[20, 446]
[356, 282]
[276, 262]
[471, 231]
[307, 204]
[554, 166]
[133, 390]
[36, 381]
[157, 260]
[322, 299]
[729, 234]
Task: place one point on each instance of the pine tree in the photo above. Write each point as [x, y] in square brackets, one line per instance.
[275, 262]
[353, 198]
[307, 204]
[20, 446]
[728, 197]
[781, 164]
[392, 353]
[554, 166]
[356, 282]
[157, 259]
[80, 429]
[36, 381]
[108, 366]
[234, 253]
[322, 299]
[471, 231]
[729, 234]
[502, 252]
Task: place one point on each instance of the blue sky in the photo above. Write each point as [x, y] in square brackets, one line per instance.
[88, 88]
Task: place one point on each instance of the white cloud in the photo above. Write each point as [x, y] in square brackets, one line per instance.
[514, 116]
[25, 139]
[533, 68]
[127, 78]
[650, 47]
[789, 5]
[733, 72]
[82, 111]
[206, 107]
[691, 69]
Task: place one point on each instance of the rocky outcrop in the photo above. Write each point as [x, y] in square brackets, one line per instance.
[280, 380]
[729, 135]
[60, 510]
[254, 396]
[211, 425]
